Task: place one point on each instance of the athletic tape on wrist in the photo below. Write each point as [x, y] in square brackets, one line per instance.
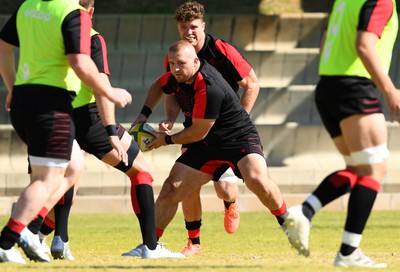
[168, 139]
[111, 130]
[146, 111]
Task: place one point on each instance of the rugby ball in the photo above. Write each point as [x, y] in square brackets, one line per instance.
[143, 134]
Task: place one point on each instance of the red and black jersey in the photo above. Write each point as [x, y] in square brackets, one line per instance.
[99, 53]
[374, 16]
[211, 97]
[71, 29]
[225, 58]
[84, 100]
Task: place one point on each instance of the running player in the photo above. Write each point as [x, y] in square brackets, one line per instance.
[219, 134]
[237, 72]
[49, 74]
[355, 60]
[98, 133]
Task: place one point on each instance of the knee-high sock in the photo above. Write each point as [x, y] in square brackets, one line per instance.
[47, 226]
[142, 198]
[361, 201]
[61, 215]
[332, 187]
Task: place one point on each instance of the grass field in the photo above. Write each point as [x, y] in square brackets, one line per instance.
[97, 242]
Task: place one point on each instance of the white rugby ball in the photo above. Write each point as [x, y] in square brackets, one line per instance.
[143, 134]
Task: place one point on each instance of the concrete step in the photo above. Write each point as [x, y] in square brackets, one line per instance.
[126, 32]
[296, 155]
[274, 106]
[282, 68]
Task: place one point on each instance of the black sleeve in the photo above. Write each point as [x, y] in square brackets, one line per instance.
[76, 32]
[99, 53]
[9, 33]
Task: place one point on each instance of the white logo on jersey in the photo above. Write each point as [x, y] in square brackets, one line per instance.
[39, 15]
[333, 31]
[25, 71]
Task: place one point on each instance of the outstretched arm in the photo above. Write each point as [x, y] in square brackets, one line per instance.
[172, 109]
[107, 114]
[154, 96]
[87, 71]
[7, 68]
[196, 132]
[251, 89]
[366, 49]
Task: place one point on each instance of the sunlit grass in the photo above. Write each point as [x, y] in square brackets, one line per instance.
[97, 242]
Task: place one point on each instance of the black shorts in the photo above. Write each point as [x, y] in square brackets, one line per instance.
[48, 133]
[215, 161]
[90, 132]
[340, 97]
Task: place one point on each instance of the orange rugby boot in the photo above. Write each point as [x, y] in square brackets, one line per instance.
[232, 218]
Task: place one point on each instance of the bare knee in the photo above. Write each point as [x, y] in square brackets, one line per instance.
[226, 191]
[260, 184]
[377, 171]
[170, 192]
[75, 168]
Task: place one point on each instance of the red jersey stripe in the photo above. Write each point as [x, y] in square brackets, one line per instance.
[104, 52]
[380, 16]
[200, 97]
[86, 26]
[241, 65]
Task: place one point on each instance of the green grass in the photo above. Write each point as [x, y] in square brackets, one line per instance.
[97, 242]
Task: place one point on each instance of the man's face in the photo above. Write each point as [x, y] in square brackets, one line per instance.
[182, 64]
[193, 32]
